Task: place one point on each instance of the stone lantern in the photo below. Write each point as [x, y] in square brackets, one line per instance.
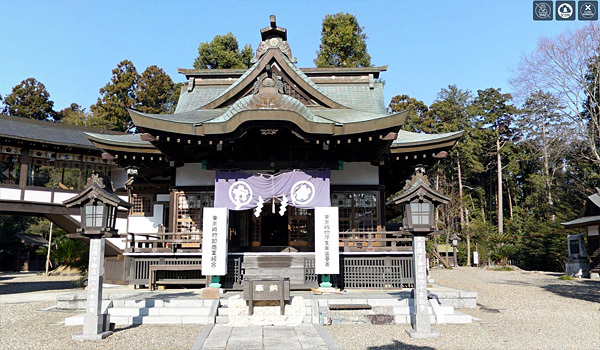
[454, 239]
[418, 202]
[98, 204]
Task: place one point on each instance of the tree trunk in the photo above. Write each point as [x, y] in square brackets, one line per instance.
[500, 206]
[468, 234]
[510, 202]
[547, 168]
[463, 228]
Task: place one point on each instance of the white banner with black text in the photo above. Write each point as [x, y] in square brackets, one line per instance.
[327, 233]
[215, 224]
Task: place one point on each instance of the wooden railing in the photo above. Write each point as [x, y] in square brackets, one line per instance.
[164, 242]
[376, 241]
[176, 242]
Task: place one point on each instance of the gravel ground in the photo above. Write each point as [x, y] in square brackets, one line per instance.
[518, 310]
[28, 326]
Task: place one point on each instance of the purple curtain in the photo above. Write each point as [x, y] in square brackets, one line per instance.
[237, 190]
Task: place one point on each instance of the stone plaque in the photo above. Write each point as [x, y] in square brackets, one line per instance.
[381, 319]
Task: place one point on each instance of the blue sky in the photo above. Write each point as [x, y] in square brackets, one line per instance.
[72, 46]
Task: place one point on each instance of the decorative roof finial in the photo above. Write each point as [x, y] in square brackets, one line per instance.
[273, 37]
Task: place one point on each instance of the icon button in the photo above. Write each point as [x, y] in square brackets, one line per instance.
[542, 10]
[565, 10]
[588, 10]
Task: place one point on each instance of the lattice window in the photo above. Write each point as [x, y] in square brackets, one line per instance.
[189, 210]
[357, 210]
[300, 224]
[142, 204]
[255, 231]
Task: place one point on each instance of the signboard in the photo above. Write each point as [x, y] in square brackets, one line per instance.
[327, 252]
[215, 224]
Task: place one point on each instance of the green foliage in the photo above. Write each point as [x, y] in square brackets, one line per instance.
[155, 91]
[418, 119]
[30, 99]
[67, 252]
[343, 43]
[151, 92]
[223, 52]
[117, 96]
[565, 278]
[504, 268]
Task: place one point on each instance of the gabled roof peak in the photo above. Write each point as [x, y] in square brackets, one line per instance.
[273, 30]
[273, 37]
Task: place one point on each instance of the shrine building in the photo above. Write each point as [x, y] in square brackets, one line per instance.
[270, 143]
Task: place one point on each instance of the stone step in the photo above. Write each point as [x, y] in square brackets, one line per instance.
[222, 319]
[162, 303]
[371, 302]
[458, 317]
[407, 310]
[137, 320]
[159, 311]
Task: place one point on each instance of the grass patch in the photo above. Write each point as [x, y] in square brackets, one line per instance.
[565, 278]
[503, 268]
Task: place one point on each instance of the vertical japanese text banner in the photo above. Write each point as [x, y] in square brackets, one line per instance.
[215, 224]
[327, 251]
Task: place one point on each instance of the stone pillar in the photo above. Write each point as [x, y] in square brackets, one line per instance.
[95, 324]
[420, 318]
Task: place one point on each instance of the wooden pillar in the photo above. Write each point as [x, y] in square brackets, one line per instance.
[594, 253]
[24, 168]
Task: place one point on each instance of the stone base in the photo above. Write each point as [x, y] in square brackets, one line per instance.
[210, 293]
[83, 337]
[421, 335]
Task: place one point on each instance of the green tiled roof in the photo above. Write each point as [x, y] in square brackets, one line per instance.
[197, 98]
[288, 102]
[304, 77]
[346, 115]
[408, 138]
[583, 221]
[240, 79]
[193, 117]
[357, 96]
[131, 139]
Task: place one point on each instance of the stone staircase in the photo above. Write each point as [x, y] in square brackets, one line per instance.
[234, 311]
[382, 311]
[156, 311]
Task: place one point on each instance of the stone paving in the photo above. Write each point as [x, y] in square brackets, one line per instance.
[302, 337]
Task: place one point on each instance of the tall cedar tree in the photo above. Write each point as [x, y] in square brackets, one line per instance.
[155, 91]
[418, 119]
[496, 115]
[30, 99]
[223, 52]
[343, 43]
[117, 96]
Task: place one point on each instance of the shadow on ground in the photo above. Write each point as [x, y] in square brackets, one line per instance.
[400, 345]
[26, 287]
[583, 290]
